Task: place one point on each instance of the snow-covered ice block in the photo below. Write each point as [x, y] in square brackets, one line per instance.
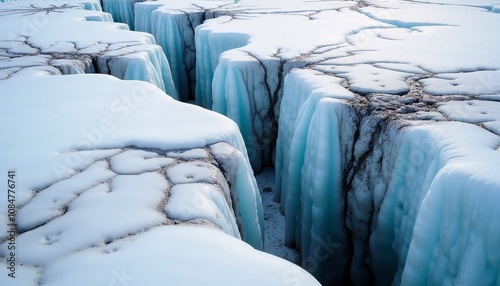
[108, 159]
[45, 31]
[375, 169]
[432, 222]
[93, 5]
[367, 48]
[456, 233]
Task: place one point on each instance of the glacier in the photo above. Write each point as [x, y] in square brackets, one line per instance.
[380, 118]
[70, 162]
[111, 173]
[372, 119]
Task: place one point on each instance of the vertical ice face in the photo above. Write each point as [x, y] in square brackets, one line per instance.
[367, 176]
[324, 240]
[173, 24]
[245, 192]
[253, 109]
[209, 47]
[431, 222]
[315, 134]
[122, 11]
[446, 252]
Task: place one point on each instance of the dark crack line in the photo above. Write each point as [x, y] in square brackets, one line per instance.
[34, 10]
[272, 97]
[66, 206]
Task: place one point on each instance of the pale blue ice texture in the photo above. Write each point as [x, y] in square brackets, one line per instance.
[173, 24]
[122, 10]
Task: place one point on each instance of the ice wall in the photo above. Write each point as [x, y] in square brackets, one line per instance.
[254, 107]
[314, 146]
[443, 213]
[451, 253]
[374, 174]
[173, 24]
[122, 11]
[209, 47]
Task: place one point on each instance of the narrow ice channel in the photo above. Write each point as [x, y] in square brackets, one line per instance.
[273, 219]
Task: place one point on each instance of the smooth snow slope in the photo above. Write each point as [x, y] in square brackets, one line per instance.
[41, 38]
[106, 169]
